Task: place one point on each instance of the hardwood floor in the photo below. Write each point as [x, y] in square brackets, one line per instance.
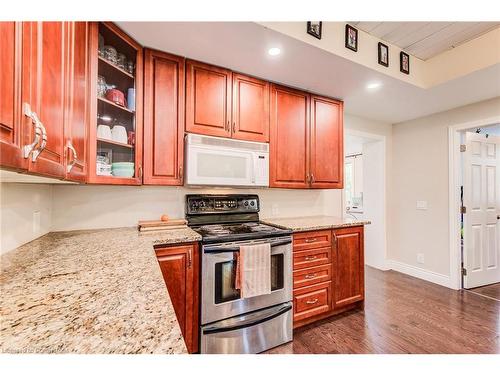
[492, 291]
[404, 314]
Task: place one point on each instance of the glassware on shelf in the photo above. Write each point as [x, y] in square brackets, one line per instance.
[122, 61]
[130, 66]
[101, 45]
[102, 87]
[110, 54]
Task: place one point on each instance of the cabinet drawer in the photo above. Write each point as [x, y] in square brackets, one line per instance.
[312, 275]
[312, 240]
[311, 258]
[312, 300]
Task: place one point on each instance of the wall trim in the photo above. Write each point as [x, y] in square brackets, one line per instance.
[420, 273]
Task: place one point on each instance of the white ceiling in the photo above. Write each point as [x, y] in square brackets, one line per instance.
[426, 39]
[242, 46]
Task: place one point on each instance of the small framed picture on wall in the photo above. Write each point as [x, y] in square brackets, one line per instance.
[314, 28]
[383, 54]
[351, 38]
[404, 63]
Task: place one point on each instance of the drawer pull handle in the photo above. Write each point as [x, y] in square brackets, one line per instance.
[312, 301]
[311, 257]
[310, 276]
[309, 240]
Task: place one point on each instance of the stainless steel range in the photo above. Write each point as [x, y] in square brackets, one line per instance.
[229, 323]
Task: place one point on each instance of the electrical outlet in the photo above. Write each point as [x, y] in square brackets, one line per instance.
[275, 210]
[420, 258]
[421, 205]
[36, 221]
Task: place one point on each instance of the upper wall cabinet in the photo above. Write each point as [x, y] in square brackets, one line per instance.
[226, 104]
[250, 115]
[327, 155]
[163, 118]
[306, 140]
[208, 99]
[289, 138]
[11, 79]
[116, 99]
[76, 128]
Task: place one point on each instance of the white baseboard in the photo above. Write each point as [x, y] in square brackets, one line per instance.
[420, 273]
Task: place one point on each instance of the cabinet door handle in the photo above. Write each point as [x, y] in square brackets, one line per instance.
[35, 121]
[181, 176]
[234, 127]
[75, 157]
[312, 301]
[311, 257]
[227, 126]
[189, 258]
[312, 178]
[140, 171]
[309, 240]
[310, 276]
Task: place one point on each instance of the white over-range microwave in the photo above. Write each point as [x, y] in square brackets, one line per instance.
[226, 162]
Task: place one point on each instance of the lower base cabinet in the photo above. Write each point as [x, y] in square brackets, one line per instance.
[179, 265]
[328, 273]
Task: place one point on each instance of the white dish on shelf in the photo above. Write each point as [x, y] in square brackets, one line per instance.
[119, 134]
[104, 132]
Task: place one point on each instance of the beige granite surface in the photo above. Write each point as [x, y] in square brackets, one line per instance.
[305, 223]
[96, 291]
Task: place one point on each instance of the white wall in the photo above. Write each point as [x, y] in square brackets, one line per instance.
[88, 207]
[374, 207]
[18, 202]
[420, 172]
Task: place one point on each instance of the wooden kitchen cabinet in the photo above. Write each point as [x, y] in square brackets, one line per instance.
[179, 265]
[226, 104]
[208, 99]
[44, 74]
[306, 140]
[163, 118]
[103, 111]
[327, 155]
[349, 268]
[11, 81]
[77, 106]
[250, 115]
[328, 273]
[289, 138]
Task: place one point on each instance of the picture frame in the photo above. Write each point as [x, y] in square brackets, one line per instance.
[404, 63]
[314, 28]
[383, 54]
[351, 38]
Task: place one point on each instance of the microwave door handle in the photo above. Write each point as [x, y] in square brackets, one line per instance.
[232, 249]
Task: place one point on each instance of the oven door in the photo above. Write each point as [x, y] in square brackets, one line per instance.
[220, 299]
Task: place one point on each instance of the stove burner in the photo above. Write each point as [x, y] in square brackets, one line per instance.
[228, 232]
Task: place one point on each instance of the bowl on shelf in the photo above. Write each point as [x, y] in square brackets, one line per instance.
[116, 96]
[123, 169]
[119, 134]
[104, 132]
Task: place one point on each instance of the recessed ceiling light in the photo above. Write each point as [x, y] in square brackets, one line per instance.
[274, 51]
[373, 85]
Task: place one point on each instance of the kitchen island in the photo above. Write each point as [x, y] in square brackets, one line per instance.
[92, 291]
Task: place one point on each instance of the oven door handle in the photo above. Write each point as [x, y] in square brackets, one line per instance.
[217, 249]
[249, 320]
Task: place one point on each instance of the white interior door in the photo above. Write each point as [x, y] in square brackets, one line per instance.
[482, 202]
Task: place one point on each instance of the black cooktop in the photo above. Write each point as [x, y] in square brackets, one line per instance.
[238, 232]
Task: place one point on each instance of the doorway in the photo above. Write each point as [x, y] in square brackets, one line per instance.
[364, 191]
[479, 178]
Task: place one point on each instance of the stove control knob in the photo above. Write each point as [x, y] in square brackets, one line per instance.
[252, 203]
[245, 203]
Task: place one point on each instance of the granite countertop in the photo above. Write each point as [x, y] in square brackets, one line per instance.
[305, 223]
[93, 291]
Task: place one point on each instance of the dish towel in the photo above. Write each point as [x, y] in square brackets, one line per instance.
[253, 270]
